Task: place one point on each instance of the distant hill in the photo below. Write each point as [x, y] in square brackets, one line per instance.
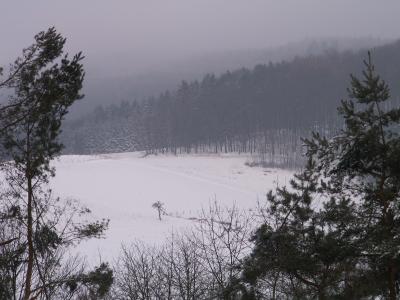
[105, 84]
[261, 110]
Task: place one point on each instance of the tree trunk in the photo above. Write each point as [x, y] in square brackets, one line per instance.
[321, 295]
[29, 270]
[392, 281]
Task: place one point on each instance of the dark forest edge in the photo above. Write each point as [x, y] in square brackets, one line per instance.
[263, 112]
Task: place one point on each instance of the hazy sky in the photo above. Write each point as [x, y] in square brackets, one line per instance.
[148, 32]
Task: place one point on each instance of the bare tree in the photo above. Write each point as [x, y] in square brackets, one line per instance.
[166, 272]
[222, 238]
[189, 274]
[201, 264]
[171, 272]
[136, 272]
[55, 274]
[159, 206]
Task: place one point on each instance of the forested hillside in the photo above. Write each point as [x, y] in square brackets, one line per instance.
[264, 110]
[110, 81]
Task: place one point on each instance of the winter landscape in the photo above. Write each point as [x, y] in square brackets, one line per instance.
[186, 186]
[214, 149]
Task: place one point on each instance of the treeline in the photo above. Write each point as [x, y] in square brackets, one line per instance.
[264, 110]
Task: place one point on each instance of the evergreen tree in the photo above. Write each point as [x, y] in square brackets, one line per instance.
[37, 228]
[336, 231]
[311, 244]
[364, 161]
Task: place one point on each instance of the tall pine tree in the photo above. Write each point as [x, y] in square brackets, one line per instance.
[364, 161]
[337, 230]
[36, 228]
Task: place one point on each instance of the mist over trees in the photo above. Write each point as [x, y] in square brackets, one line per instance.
[263, 111]
[106, 83]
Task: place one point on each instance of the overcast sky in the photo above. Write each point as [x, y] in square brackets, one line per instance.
[148, 32]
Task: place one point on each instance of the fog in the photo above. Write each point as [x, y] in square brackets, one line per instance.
[127, 37]
[147, 33]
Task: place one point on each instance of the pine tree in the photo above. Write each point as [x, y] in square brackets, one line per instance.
[308, 243]
[37, 228]
[337, 230]
[364, 161]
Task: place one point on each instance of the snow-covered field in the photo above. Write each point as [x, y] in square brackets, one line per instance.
[123, 187]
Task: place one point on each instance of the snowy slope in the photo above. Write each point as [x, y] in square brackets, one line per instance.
[122, 187]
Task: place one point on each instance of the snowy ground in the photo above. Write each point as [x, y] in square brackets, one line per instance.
[123, 187]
